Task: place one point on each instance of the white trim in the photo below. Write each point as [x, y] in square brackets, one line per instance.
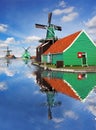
[45, 44]
[77, 38]
[72, 90]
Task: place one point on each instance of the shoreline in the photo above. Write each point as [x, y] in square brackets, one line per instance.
[88, 69]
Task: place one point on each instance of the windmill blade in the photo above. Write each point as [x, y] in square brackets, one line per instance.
[49, 18]
[23, 48]
[8, 49]
[57, 28]
[40, 26]
[28, 48]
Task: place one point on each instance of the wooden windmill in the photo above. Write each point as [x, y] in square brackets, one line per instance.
[50, 28]
[26, 54]
[50, 37]
[8, 55]
[8, 52]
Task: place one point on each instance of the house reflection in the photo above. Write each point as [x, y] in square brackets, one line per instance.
[75, 85]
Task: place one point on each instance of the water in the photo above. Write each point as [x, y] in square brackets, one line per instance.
[33, 99]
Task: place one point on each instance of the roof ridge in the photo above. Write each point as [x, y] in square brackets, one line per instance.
[55, 48]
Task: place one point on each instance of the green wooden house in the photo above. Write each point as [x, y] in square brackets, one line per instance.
[77, 49]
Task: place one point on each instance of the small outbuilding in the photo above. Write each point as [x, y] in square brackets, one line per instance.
[77, 49]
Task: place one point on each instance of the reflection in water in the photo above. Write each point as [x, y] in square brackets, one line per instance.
[76, 85]
[8, 62]
[21, 95]
[50, 93]
[26, 61]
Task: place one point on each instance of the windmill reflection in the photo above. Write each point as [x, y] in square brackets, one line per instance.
[27, 62]
[8, 62]
[50, 94]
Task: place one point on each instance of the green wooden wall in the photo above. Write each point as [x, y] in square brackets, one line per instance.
[82, 44]
[54, 58]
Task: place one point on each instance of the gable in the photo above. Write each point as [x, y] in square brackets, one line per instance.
[60, 45]
[62, 86]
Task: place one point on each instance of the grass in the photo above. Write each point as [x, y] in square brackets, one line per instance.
[69, 67]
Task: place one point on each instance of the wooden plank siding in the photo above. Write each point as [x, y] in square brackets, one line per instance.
[82, 44]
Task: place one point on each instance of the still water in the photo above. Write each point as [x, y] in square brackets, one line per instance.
[33, 99]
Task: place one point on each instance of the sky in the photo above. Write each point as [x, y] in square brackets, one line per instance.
[18, 18]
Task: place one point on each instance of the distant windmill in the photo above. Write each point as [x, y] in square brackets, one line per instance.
[50, 28]
[8, 52]
[26, 54]
[8, 55]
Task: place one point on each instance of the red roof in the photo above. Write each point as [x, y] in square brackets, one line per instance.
[61, 44]
[60, 86]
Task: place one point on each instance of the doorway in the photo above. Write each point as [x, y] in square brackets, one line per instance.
[84, 59]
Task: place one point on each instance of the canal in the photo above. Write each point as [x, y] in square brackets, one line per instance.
[33, 99]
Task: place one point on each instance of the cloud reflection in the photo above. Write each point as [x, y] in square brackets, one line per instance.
[58, 120]
[91, 103]
[71, 114]
[3, 86]
[6, 71]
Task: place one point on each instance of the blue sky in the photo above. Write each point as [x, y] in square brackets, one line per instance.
[18, 18]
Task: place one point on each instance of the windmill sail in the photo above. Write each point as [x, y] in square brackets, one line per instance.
[41, 26]
[50, 28]
[49, 18]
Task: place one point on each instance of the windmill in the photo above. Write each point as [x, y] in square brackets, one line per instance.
[50, 37]
[8, 52]
[26, 54]
[50, 28]
[8, 55]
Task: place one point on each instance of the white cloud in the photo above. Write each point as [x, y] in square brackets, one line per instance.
[63, 11]
[10, 40]
[71, 114]
[31, 39]
[57, 11]
[92, 31]
[3, 27]
[91, 22]
[91, 103]
[62, 3]
[91, 27]
[2, 44]
[69, 10]
[69, 17]
[68, 13]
